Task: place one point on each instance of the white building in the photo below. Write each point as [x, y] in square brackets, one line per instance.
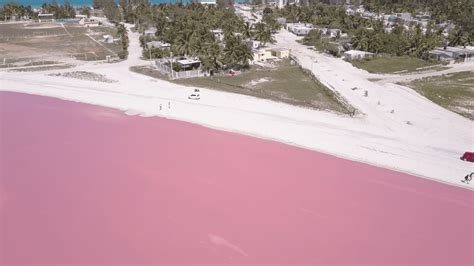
[254, 44]
[447, 54]
[357, 55]
[300, 29]
[88, 22]
[208, 2]
[264, 54]
[158, 44]
[45, 17]
[218, 34]
[108, 38]
[150, 31]
[189, 63]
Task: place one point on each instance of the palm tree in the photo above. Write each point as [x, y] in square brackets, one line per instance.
[458, 37]
[121, 30]
[245, 54]
[183, 42]
[231, 50]
[212, 58]
[361, 40]
[247, 31]
[263, 34]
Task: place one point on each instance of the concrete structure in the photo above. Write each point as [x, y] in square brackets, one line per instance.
[208, 2]
[404, 16]
[87, 22]
[452, 53]
[253, 44]
[334, 33]
[45, 17]
[218, 34]
[264, 54]
[281, 53]
[357, 55]
[281, 20]
[300, 29]
[150, 31]
[281, 3]
[188, 64]
[158, 44]
[108, 39]
[97, 13]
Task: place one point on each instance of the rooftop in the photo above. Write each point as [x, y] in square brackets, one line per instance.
[188, 61]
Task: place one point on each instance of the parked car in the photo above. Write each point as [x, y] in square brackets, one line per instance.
[194, 96]
[468, 156]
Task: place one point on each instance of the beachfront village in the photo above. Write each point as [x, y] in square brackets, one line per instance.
[209, 38]
[397, 64]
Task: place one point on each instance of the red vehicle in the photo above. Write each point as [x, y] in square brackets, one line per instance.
[468, 156]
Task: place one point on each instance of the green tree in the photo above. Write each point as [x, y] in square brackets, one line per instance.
[263, 34]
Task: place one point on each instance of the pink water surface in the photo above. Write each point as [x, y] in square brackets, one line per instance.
[87, 185]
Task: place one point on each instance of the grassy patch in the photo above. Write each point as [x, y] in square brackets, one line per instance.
[454, 91]
[285, 83]
[146, 70]
[394, 64]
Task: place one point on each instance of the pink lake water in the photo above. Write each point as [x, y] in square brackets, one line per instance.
[87, 185]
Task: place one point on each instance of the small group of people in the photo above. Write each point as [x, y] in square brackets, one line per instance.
[169, 106]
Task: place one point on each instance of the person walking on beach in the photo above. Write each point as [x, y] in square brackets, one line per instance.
[160, 107]
[468, 178]
[169, 105]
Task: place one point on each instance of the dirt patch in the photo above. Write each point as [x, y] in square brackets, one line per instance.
[53, 41]
[84, 75]
[42, 68]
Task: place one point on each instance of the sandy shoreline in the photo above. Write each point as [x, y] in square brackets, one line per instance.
[429, 148]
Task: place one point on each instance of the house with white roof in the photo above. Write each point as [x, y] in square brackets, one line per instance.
[158, 44]
[46, 17]
[357, 55]
[300, 29]
[446, 54]
[189, 63]
[150, 31]
[208, 2]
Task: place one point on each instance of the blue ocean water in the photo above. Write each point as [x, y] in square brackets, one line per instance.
[38, 3]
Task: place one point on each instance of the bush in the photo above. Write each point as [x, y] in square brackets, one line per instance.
[176, 67]
[155, 53]
[123, 54]
[333, 50]
[144, 39]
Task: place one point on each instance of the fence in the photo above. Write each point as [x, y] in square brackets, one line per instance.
[163, 67]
